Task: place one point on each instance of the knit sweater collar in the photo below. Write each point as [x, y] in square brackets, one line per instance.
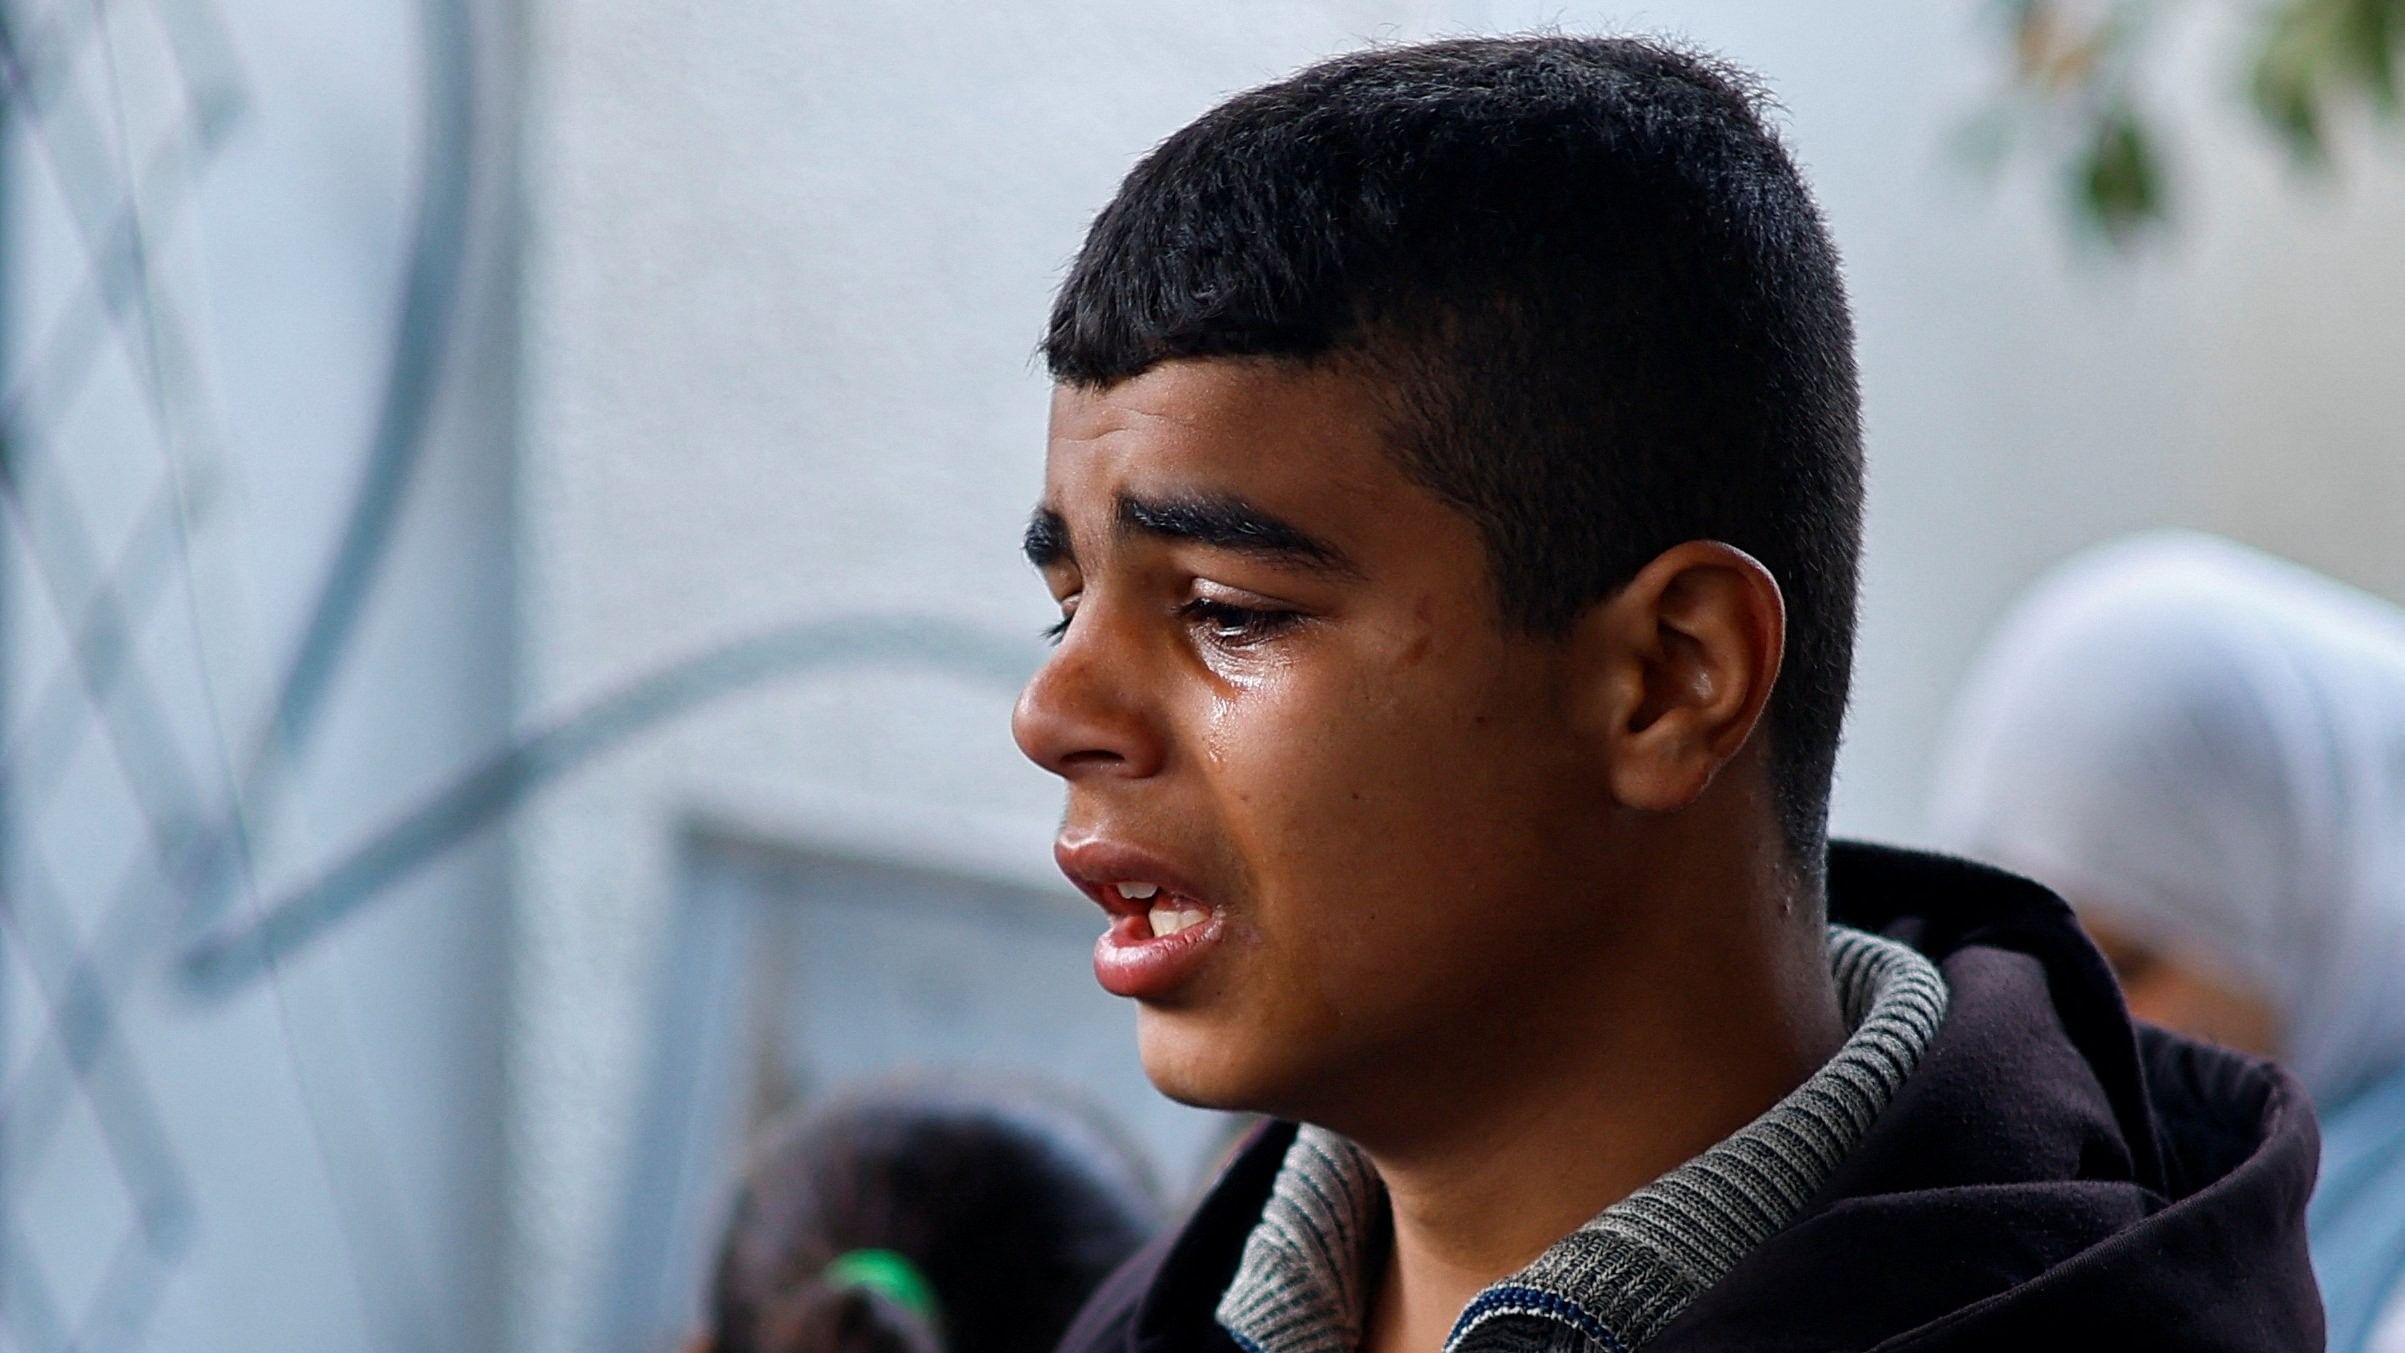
[1301, 1285]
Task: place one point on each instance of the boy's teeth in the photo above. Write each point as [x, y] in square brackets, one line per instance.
[1137, 892]
[1167, 921]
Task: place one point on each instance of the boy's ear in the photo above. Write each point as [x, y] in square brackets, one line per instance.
[1675, 669]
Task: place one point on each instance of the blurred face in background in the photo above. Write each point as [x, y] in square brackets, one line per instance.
[2183, 992]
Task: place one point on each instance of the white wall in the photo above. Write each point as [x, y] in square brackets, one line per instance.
[319, 1146]
[787, 268]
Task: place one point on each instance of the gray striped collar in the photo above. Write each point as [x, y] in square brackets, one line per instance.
[1615, 1282]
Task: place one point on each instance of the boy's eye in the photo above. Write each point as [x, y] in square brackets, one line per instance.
[1236, 626]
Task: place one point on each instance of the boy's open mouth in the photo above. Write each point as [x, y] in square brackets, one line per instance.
[1160, 934]
[1166, 912]
[1150, 952]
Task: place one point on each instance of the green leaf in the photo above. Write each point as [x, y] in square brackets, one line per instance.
[2316, 54]
[2120, 178]
[2378, 29]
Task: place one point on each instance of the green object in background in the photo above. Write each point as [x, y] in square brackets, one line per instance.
[2074, 77]
[889, 1275]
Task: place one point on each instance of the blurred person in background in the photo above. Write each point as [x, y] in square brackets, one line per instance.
[925, 1218]
[2203, 748]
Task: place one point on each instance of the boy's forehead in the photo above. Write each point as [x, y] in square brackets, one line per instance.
[1224, 425]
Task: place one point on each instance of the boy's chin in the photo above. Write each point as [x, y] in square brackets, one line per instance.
[1197, 1062]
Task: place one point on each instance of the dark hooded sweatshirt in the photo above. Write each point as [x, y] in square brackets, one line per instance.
[2044, 1173]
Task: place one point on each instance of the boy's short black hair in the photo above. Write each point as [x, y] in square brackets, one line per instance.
[1592, 284]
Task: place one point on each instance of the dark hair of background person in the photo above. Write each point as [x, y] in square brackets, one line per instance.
[1013, 1204]
[1593, 286]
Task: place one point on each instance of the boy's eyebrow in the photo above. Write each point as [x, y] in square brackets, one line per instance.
[1228, 522]
[1220, 521]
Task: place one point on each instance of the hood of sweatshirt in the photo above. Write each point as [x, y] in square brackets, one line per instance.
[2048, 1170]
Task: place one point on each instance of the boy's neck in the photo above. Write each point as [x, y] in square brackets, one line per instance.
[1712, 1040]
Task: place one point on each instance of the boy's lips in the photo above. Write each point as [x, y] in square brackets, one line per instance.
[1161, 931]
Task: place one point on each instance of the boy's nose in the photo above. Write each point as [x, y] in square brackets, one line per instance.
[1083, 713]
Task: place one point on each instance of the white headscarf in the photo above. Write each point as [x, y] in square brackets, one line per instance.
[2206, 746]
